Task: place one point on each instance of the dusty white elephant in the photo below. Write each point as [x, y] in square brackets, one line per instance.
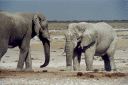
[97, 39]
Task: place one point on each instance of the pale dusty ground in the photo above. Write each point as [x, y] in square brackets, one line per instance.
[56, 74]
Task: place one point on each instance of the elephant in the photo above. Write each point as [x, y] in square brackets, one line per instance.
[92, 39]
[17, 29]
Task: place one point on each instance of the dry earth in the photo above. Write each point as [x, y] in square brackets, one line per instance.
[55, 74]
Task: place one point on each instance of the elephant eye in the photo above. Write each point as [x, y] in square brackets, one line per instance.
[40, 19]
[35, 19]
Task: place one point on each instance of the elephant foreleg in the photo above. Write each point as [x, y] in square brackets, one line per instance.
[89, 55]
[28, 61]
[22, 57]
[24, 52]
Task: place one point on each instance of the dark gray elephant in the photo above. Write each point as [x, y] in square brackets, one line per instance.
[17, 29]
[92, 39]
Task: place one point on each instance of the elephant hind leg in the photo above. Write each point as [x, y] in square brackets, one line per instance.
[107, 65]
[3, 48]
[2, 52]
[111, 52]
[76, 60]
[109, 56]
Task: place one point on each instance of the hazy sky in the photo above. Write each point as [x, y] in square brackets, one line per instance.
[71, 9]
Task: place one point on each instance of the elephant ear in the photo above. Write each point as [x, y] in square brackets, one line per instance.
[88, 37]
[37, 25]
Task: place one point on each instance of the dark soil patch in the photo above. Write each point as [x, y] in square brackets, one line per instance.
[49, 74]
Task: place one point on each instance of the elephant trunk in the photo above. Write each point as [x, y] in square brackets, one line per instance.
[69, 52]
[46, 44]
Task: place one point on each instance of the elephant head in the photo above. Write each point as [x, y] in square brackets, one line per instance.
[72, 36]
[40, 25]
[74, 33]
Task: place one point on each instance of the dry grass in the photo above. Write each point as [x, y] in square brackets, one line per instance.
[119, 24]
[59, 27]
[122, 44]
[63, 25]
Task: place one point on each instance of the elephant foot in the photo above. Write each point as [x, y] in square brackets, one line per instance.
[69, 68]
[76, 69]
[89, 69]
[108, 69]
[19, 69]
[29, 69]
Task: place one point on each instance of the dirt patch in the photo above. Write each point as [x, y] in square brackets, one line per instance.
[101, 75]
[60, 74]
